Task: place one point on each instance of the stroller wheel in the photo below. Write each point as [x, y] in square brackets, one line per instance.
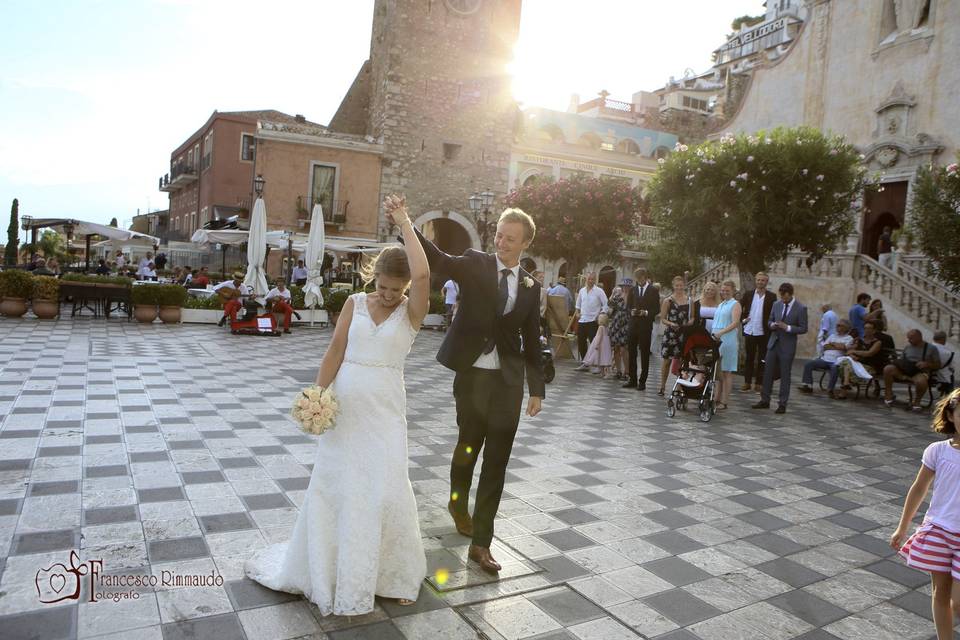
[705, 414]
[671, 408]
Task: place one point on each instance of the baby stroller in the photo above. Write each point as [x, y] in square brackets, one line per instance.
[697, 379]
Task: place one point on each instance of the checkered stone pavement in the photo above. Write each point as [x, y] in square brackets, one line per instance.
[166, 451]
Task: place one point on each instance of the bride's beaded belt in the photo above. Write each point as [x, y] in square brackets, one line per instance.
[382, 365]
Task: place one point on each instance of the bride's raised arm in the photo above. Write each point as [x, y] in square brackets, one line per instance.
[396, 210]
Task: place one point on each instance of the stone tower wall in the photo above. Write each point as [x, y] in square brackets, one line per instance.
[440, 78]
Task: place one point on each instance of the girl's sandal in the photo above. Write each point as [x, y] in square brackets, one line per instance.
[721, 406]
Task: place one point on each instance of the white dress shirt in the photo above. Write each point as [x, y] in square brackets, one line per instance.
[300, 273]
[276, 293]
[591, 303]
[492, 360]
[754, 326]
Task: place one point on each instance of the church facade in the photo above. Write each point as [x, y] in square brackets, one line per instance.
[882, 73]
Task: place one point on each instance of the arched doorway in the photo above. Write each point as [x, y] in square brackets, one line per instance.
[608, 279]
[886, 208]
[447, 235]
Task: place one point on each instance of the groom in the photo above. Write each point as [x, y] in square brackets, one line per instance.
[499, 303]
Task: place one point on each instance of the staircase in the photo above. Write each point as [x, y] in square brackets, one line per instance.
[912, 299]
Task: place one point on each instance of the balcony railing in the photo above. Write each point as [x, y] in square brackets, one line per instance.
[335, 213]
[180, 175]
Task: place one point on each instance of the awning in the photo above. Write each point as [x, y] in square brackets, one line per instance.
[84, 228]
[278, 240]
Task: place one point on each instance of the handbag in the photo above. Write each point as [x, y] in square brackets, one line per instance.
[908, 367]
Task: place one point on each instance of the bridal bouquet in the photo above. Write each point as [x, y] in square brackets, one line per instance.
[315, 409]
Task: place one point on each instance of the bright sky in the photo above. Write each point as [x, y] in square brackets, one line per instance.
[95, 95]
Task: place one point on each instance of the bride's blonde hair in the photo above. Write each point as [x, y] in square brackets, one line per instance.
[391, 262]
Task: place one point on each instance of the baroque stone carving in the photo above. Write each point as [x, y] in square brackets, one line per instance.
[887, 156]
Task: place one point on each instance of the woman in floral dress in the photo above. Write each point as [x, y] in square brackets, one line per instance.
[618, 331]
[674, 313]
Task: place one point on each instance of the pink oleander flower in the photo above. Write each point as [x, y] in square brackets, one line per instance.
[733, 183]
[749, 158]
[820, 177]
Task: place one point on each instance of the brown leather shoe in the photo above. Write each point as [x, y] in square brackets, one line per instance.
[481, 555]
[463, 522]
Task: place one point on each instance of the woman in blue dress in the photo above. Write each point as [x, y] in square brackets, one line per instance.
[725, 329]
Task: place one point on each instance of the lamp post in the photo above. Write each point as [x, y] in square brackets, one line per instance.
[258, 183]
[480, 205]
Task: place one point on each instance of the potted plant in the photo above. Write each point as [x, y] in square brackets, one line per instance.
[144, 299]
[171, 298]
[46, 297]
[334, 303]
[15, 287]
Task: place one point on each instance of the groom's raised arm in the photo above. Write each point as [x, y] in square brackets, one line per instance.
[442, 263]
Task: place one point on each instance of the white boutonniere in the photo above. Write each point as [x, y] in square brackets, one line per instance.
[528, 282]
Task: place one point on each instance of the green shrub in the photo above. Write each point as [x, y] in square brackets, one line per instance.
[15, 283]
[145, 294]
[210, 302]
[80, 277]
[170, 295]
[437, 303]
[334, 302]
[46, 288]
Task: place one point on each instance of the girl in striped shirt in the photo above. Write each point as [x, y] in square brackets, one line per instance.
[935, 546]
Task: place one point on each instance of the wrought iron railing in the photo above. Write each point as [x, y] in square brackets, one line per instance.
[333, 212]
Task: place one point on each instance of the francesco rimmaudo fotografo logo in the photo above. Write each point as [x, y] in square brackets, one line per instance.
[60, 582]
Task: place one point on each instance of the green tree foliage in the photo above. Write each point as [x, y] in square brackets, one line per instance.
[52, 245]
[13, 240]
[751, 199]
[935, 220]
[580, 219]
[746, 21]
[669, 259]
[113, 222]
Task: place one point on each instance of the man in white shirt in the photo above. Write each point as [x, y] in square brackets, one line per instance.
[300, 274]
[278, 301]
[756, 307]
[451, 293]
[828, 326]
[144, 266]
[121, 261]
[946, 374]
[836, 345]
[230, 292]
[591, 302]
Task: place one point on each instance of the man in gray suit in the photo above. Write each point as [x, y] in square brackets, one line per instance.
[788, 319]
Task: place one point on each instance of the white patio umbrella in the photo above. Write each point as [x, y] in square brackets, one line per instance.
[257, 250]
[312, 297]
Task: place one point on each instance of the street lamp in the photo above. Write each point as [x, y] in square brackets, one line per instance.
[258, 183]
[480, 205]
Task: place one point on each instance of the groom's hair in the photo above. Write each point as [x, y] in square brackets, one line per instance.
[519, 215]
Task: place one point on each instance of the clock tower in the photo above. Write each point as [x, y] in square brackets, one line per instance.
[436, 93]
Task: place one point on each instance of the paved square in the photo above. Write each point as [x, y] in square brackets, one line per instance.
[166, 451]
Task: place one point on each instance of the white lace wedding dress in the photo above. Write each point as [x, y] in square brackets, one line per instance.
[357, 533]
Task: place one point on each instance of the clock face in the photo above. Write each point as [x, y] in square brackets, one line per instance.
[463, 7]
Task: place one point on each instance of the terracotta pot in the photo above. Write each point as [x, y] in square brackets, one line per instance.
[46, 309]
[13, 307]
[145, 313]
[170, 314]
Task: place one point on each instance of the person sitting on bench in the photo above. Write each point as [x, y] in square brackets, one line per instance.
[919, 360]
[231, 292]
[278, 301]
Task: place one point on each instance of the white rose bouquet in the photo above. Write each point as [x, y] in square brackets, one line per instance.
[315, 409]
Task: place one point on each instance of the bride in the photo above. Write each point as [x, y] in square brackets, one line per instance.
[357, 534]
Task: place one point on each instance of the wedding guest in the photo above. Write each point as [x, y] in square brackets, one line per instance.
[560, 289]
[451, 293]
[705, 308]
[643, 305]
[876, 313]
[756, 306]
[870, 351]
[726, 324]
[788, 319]
[674, 313]
[600, 354]
[619, 327]
[591, 301]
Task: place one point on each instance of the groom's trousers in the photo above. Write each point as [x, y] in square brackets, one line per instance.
[488, 412]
